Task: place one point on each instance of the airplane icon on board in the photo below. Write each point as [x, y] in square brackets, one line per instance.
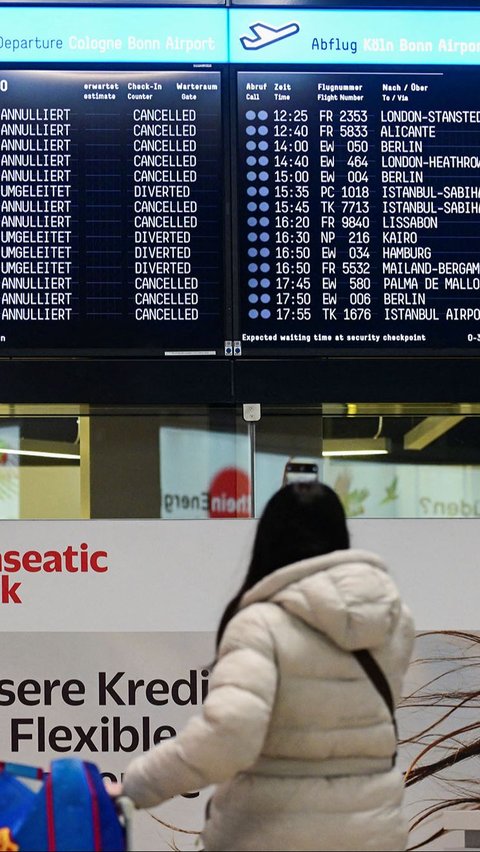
[265, 35]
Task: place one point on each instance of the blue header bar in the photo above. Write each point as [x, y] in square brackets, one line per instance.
[354, 37]
[243, 36]
[113, 35]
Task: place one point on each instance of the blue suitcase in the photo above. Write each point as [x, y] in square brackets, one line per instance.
[71, 812]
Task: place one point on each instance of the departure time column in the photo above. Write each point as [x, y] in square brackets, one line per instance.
[278, 165]
[292, 213]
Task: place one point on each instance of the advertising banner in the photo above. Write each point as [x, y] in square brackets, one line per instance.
[108, 628]
[382, 490]
[104, 697]
[108, 634]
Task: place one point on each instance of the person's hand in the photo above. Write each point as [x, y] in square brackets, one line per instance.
[113, 788]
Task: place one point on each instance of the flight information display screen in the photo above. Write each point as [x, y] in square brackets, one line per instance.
[111, 207]
[358, 183]
[112, 196]
[360, 217]
[239, 181]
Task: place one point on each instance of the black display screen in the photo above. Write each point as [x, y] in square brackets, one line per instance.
[359, 209]
[239, 181]
[112, 211]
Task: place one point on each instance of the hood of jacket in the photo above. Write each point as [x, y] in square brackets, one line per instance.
[346, 595]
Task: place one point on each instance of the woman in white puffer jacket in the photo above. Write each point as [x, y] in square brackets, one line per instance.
[294, 733]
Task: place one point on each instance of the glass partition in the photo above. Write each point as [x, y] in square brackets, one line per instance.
[403, 461]
[384, 460]
[200, 462]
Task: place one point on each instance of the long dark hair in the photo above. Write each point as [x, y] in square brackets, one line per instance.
[299, 521]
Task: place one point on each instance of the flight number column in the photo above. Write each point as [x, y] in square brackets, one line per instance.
[356, 223]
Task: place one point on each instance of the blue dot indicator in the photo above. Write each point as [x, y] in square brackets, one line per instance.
[251, 190]
[264, 190]
[263, 175]
[262, 130]
[264, 267]
[252, 237]
[265, 314]
[250, 130]
[263, 115]
[253, 314]
[253, 298]
[252, 221]
[265, 282]
[251, 145]
[263, 145]
[265, 298]
[251, 161]
[265, 252]
[253, 267]
[250, 115]
[264, 221]
[252, 282]
[252, 252]
[263, 161]
[264, 237]
[251, 206]
[264, 206]
[251, 175]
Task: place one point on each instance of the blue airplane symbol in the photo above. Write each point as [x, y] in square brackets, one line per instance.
[267, 35]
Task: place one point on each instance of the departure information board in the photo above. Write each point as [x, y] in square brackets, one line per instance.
[358, 183]
[111, 207]
[360, 218]
[112, 191]
[241, 181]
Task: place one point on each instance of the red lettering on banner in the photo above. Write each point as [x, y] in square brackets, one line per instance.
[70, 560]
[52, 561]
[9, 592]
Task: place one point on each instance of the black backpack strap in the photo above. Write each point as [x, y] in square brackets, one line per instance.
[380, 682]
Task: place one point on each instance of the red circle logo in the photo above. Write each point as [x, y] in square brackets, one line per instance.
[229, 494]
